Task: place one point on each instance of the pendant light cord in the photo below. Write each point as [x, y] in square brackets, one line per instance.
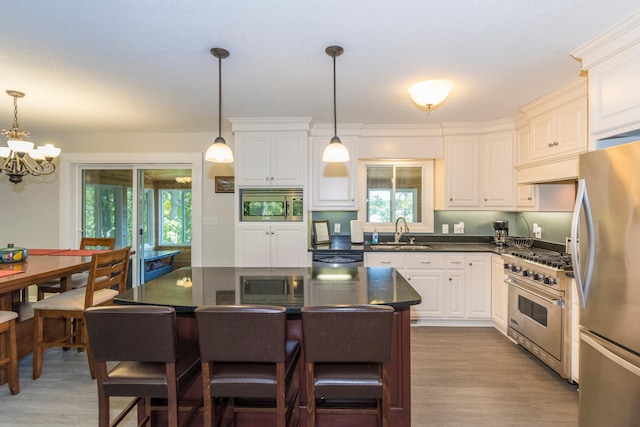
[335, 114]
[219, 97]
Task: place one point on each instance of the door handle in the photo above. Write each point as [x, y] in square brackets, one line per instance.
[582, 202]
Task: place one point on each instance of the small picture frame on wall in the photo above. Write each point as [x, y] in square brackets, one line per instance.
[224, 184]
[321, 232]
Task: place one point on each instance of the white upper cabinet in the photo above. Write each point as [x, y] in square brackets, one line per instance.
[612, 61]
[333, 185]
[270, 159]
[479, 170]
[271, 151]
[560, 131]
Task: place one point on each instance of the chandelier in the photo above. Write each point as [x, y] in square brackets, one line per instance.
[13, 158]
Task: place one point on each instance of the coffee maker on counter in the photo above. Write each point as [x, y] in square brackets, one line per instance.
[500, 232]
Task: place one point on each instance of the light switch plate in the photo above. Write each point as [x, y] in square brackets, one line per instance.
[209, 220]
[336, 227]
[445, 228]
[458, 228]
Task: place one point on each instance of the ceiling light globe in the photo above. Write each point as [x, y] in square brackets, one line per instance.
[219, 152]
[335, 152]
[20, 146]
[430, 92]
[49, 150]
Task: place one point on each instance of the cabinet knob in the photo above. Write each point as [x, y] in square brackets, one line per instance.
[271, 178]
[485, 199]
[266, 232]
[266, 178]
[273, 232]
[529, 198]
[450, 279]
[551, 144]
[451, 199]
[556, 143]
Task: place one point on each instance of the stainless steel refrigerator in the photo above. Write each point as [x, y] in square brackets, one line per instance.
[605, 236]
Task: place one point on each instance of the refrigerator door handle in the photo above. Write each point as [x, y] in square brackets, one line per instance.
[582, 202]
[635, 370]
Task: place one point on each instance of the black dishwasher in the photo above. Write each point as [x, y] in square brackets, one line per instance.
[338, 259]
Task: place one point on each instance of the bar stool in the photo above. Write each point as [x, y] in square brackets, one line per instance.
[245, 354]
[10, 363]
[151, 363]
[108, 271]
[347, 350]
[78, 280]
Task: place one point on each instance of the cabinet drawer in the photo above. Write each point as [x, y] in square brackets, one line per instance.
[425, 261]
[455, 262]
[384, 260]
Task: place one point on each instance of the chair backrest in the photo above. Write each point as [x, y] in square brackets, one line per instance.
[132, 333]
[347, 333]
[247, 333]
[108, 270]
[108, 243]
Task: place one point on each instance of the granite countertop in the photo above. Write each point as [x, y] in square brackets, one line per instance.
[292, 288]
[435, 243]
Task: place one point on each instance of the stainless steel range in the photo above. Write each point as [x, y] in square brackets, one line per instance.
[540, 305]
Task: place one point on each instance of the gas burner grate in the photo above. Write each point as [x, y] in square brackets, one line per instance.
[561, 261]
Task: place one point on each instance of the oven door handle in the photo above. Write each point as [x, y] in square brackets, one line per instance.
[582, 202]
[555, 301]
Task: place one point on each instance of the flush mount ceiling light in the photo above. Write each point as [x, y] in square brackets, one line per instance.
[219, 151]
[430, 93]
[335, 152]
[13, 159]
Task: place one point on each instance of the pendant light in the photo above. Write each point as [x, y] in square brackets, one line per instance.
[335, 152]
[219, 151]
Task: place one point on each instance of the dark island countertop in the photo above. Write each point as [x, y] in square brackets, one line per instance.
[187, 288]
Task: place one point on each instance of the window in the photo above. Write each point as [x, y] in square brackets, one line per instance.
[104, 215]
[175, 217]
[397, 189]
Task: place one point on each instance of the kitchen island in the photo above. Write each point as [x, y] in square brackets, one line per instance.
[187, 288]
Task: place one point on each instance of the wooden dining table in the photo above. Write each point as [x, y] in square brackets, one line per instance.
[40, 266]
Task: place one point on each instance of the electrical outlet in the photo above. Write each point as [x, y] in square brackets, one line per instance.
[336, 227]
[458, 228]
[445, 228]
[209, 220]
[537, 231]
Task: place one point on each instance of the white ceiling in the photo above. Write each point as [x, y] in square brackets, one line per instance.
[144, 65]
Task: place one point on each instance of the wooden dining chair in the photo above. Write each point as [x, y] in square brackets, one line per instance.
[78, 280]
[107, 278]
[10, 363]
[245, 354]
[347, 350]
[146, 360]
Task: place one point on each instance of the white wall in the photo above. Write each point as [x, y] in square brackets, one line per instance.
[29, 211]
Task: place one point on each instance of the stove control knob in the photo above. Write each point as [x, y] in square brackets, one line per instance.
[538, 277]
[550, 281]
[516, 269]
[527, 273]
[507, 266]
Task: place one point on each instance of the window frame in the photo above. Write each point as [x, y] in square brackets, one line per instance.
[427, 223]
[160, 207]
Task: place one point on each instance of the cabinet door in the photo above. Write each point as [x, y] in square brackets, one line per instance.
[454, 293]
[253, 247]
[288, 246]
[333, 184]
[498, 177]
[287, 159]
[526, 196]
[462, 164]
[430, 284]
[253, 159]
[478, 286]
[499, 294]
[542, 136]
[571, 127]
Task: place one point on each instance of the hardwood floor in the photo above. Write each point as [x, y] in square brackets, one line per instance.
[477, 377]
[460, 377]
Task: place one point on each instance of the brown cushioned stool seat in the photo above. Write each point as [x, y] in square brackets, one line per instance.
[246, 356]
[347, 350]
[151, 362]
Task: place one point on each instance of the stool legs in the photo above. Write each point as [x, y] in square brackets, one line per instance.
[9, 330]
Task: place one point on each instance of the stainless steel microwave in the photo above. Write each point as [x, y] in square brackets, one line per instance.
[271, 205]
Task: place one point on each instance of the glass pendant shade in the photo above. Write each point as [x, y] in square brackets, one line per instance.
[335, 152]
[20, 146]
[219, 152]
[430, 92]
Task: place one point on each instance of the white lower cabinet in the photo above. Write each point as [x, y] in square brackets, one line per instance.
[271, 245]
[455, 287]
[499, 294]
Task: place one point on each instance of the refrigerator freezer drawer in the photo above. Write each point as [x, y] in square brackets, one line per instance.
[609, 383]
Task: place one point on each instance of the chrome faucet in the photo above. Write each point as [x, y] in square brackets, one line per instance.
[399, 234]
